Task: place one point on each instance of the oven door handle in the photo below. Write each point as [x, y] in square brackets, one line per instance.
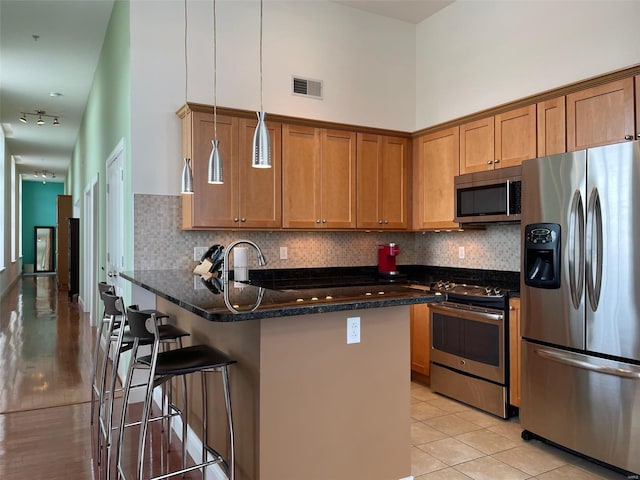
[468, 314]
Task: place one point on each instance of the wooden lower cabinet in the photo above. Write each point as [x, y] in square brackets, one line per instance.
[420, 339]
[514, 352]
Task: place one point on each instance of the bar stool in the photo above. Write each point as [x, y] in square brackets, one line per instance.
[119, 336]
[96, 392]
[162, 366]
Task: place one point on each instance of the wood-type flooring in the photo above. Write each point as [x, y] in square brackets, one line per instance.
[46, 347]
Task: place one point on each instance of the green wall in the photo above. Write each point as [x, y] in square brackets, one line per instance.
[38, 209]
[106, 122]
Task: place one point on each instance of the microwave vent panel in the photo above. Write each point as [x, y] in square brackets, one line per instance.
[306, 87]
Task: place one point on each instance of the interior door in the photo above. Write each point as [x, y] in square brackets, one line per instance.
[115, 207]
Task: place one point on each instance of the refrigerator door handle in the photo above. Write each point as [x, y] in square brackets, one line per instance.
[576, 236]
[581, 361]
[594, 249]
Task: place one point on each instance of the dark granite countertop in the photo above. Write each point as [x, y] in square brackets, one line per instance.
[281, 294]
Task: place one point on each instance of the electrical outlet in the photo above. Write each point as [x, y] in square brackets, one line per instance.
[284, 254]
[353, 330]
[198, 252]
[460, 252]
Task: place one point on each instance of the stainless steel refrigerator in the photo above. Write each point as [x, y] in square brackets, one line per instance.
[581, 302]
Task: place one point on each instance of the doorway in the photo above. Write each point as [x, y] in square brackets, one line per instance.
[90, 251]
[115, 224]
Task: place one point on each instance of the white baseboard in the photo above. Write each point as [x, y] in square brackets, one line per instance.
[194, 444]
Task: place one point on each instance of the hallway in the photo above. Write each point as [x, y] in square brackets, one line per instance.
[45, 384]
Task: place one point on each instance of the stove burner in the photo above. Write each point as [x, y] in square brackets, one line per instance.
[446, 286]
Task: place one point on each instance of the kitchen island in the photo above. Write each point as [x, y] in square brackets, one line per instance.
[306, 404]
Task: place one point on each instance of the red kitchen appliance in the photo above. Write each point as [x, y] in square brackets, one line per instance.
[387, 258]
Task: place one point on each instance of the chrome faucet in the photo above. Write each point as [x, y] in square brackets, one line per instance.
[225, 263]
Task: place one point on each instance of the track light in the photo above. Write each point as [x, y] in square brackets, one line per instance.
[39, 114]
[44, 175]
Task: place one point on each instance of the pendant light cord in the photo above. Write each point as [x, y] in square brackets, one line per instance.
[186, 78]
[215, 76]
[261, 108]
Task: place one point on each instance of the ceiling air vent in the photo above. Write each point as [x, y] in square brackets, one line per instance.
[306, 87]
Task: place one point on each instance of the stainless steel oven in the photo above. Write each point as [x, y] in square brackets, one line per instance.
[469, 353]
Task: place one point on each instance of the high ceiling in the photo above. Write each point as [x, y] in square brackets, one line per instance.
[52, 46]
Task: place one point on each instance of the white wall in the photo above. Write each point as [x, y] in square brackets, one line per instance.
[474, 55]
[367, 63]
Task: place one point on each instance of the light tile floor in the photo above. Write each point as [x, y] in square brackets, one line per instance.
[453, 441]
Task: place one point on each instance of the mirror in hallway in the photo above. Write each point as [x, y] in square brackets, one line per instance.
[43, 249]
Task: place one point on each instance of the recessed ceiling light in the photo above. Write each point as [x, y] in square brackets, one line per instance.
[55, 94]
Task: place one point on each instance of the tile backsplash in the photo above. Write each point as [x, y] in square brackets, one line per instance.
[159, 243]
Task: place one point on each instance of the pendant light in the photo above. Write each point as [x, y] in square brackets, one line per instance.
[215, 161]
[261, 157]
[187, 173]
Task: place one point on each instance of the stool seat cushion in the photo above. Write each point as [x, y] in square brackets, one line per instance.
[188, 360]
[166, 332]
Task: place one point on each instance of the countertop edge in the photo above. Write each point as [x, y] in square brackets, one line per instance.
[284, 311]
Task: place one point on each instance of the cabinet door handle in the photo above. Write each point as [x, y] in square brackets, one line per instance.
[235, 219]
[324, 220]
[318, 220]
[489, 162]
[386, 221]
[497, 160]
[628, 137]
[380, 222]
[243, 219]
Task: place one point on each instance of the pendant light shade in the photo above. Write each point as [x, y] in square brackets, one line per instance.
[261, 157]
[215, 165]
[187, 177]
[261, 144]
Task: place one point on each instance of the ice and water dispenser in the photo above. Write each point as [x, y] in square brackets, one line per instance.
[542, 255]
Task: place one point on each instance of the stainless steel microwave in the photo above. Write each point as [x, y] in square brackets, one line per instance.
[491, 196]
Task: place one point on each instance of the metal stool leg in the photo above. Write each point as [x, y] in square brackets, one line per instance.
[95, 393]
[227, 402]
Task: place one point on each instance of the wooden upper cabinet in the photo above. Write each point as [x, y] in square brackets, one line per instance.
[501, 141]
[477, 147]
[210, 205]
[300, 176]
[552, 133]
[338, 173]
[249, 197]
[318, 178]
[601, 115]
[382, 178]
[260, 189]
[515, 139]
[436, 162]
